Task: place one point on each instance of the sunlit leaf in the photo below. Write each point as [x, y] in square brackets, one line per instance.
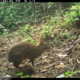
[1, 67]
[19, 74]
[27, 76]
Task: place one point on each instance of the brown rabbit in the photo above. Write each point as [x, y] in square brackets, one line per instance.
[25, 50]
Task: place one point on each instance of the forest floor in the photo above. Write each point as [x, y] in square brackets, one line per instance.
[51, 64]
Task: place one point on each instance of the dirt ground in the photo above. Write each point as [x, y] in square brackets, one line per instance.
[51, 64]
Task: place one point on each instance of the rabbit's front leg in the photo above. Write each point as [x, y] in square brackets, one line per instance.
[32, 60]
[16, 65]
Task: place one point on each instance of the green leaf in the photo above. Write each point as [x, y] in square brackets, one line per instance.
[19, 74]
[27, 76]
[70, 73]
[67, 73]
[1, 67]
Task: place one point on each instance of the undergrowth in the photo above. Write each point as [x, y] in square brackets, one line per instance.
[58, 26]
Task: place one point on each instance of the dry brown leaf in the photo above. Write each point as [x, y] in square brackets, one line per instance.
[52, 58]
[44, 57]
[52, 35]
[43, 70]
[60, 66]
[47, 60]
[22, 76]
[49, 66]
[5, 63]
[71, 61]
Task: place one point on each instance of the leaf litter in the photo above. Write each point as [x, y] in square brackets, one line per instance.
[49, 65]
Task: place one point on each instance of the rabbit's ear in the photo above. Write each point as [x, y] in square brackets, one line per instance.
[38, 38]
[40, 35]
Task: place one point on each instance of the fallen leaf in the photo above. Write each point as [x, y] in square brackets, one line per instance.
[78, 61]
[50, 65]
[52, 35]
[44, 57]
[43, 70]
[60, 76]
[71, 61]
[60, 66]
[54, 49]
[4, 64]
[52, 58]
[11, 63]
[7, 76]
[47, 60]
[11, 67]
[62, 55]
[22, 76]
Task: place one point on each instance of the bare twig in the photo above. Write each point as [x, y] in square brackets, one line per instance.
[30, 35]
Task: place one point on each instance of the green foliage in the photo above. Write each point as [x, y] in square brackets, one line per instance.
[26, 76]
[22, 12]
[52, 22]
[29, 39]
[62, 37]
[12, 13]
[70, 73]
[27, 28]
[72, 15]
[2, 29]
[21, 73]
[1, 67]
[5, 33]
[25, 31]
[35, 12]
[46, 31]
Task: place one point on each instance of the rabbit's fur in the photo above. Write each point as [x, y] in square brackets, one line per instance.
[25, 50]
